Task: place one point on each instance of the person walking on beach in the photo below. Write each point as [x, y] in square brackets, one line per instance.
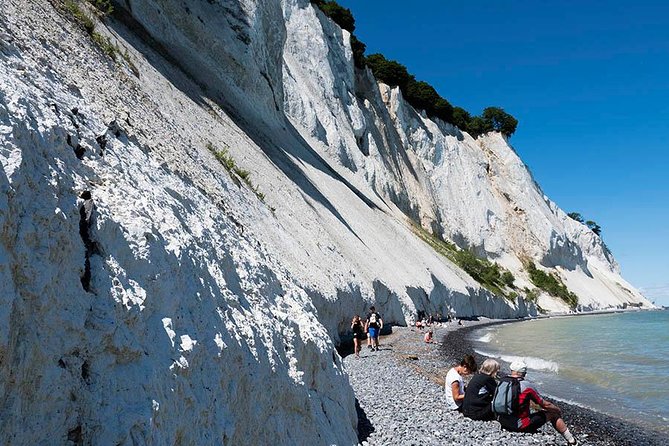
[454, 386]
[479, 393]
[522, 420]
[373, 326]
[358, 334]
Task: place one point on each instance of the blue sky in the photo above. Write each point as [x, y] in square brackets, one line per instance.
[589, 83]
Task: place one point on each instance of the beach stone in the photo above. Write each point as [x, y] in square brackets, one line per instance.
[405, 405]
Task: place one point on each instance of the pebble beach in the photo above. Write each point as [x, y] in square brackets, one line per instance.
[400, 399]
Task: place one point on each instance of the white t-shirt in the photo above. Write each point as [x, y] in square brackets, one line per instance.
[451, 377]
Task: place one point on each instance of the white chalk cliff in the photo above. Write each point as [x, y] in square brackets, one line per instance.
[147, 296]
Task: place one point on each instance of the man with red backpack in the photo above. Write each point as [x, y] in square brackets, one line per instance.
[514, 414]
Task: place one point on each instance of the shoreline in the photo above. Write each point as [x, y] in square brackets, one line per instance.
[593, 313]
[408, 374]
[617, 430]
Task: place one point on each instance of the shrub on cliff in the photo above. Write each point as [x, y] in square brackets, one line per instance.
[104, 6]
[478, 126]
[594, 227]
[344, 18]
[500, 121]
[340, 15]
[461, 118]
[423, 96]
[443, 110]
[389, 71]
[508, 279]
[419, 94]
[551, 284]
[490, 275]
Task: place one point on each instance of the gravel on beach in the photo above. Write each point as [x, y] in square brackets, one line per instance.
[400, 399]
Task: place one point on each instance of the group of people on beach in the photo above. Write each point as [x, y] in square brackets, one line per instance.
[478, 400]
[425, 324]
[370, 328]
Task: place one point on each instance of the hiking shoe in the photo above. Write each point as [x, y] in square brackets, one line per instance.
[370, 347]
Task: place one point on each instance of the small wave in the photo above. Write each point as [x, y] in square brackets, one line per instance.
[532, 363]
[485, 338]
[572, 402]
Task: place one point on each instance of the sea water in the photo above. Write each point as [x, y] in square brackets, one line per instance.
[614, 363]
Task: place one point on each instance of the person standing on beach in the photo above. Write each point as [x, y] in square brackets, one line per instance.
[358, 333]
[479, 393]
[522, 420]
[373, 326]
[454, 386]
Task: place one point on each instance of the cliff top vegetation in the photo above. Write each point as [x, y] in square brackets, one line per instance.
[420, 94]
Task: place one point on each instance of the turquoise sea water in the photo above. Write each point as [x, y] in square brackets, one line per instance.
[613, 363]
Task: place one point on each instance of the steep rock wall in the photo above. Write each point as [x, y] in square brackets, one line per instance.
[149, 295]
[135, 307]
[477, 193]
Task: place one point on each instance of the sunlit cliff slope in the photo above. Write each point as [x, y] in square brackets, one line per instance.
[152, 295]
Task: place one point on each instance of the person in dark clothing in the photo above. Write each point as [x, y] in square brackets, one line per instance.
[358, 334]
[480, 391]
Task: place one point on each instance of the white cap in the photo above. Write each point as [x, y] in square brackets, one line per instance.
[518, 366]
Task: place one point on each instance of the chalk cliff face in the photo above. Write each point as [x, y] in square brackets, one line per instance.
[150, 297]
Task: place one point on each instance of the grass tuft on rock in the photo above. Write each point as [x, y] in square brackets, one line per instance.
[226, 160]
[78, 11]
[81, 16]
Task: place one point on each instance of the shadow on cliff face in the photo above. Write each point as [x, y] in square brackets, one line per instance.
[191, 304]
[336, 314]
[150, 326]
[272, 132]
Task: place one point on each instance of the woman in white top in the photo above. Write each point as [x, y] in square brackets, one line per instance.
[455, 386]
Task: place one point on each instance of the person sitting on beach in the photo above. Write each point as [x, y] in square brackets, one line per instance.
[479, 393]
[524, 421]
[373, 326]
[428, 337]
[455, 386]
[358, 334]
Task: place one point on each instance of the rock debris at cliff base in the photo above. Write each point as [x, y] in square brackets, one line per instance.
[401, 401]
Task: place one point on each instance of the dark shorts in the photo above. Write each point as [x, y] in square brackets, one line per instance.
[533, 422]
[537, 420]
[485, 414]
[358, 336]
[373, 332]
